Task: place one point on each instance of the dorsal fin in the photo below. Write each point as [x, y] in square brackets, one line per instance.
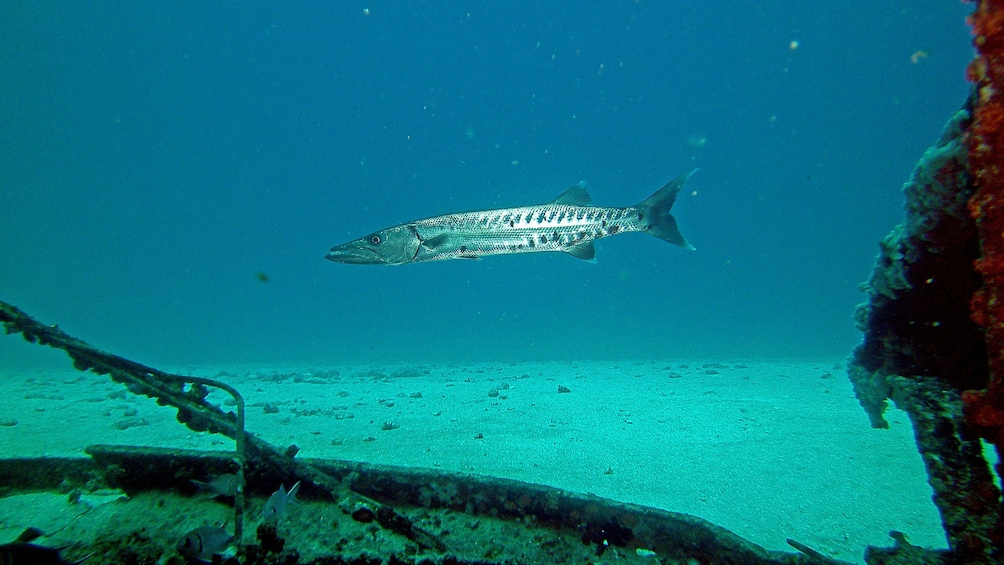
[575, 196]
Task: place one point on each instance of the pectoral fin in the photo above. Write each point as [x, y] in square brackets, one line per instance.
[442, 244]
[584, 251]
[434, 243]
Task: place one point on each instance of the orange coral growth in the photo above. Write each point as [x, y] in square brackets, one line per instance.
[986, 155]
[976, 206]
[984, 409]
[977, 308]
[983, 413]
[990, 115]
[976, 70]
[986, 20]
[989, 266]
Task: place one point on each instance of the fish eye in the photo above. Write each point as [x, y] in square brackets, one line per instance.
[375, 239]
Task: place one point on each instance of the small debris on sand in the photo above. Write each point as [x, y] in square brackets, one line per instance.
[126, 423]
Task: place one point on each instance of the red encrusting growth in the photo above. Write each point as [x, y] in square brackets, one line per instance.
[984, 409]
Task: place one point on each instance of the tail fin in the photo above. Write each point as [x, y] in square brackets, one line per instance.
[656, 210]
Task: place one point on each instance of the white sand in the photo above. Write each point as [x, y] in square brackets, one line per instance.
[768, 450]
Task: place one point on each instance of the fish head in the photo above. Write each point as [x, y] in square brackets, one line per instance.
[225, 485]
[221, 485]
[202, 543]
[392, 246]
[275, 506]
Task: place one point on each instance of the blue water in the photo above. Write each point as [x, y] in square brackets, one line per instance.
[158, 160]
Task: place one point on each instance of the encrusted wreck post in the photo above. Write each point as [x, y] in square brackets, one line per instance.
[946, 371]
[921, 348]
[984, 405]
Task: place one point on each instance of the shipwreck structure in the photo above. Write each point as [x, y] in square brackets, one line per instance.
[934, 320]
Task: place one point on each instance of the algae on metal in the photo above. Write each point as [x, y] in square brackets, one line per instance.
[199, 415]
[921, 349]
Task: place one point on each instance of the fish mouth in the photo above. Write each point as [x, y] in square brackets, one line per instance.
[353, 255]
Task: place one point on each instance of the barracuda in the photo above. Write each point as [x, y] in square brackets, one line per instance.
[569, 224]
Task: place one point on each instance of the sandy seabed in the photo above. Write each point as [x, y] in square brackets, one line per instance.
[768, 450]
